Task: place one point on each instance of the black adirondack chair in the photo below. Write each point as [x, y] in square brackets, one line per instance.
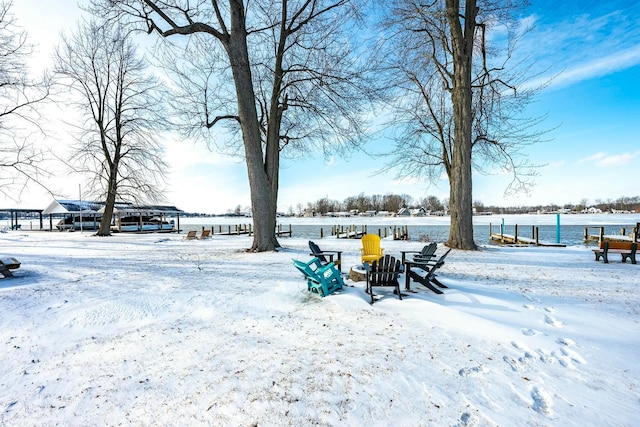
[427, 253]
[383, 272]
[326, 257]
[429, 268]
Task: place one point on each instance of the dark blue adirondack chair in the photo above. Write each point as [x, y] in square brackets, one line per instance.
[326, 257]
[322, 279]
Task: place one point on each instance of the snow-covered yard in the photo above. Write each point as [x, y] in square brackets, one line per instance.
[158, 330]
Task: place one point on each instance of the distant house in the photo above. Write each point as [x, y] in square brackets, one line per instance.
[412, 212]
[592, 210]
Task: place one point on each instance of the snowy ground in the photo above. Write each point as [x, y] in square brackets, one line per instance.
[157, 330]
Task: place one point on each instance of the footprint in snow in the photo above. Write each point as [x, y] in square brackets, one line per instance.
[546, 356]
[552, 321]
[530, 332]
[541, 401]
[566, 341]
[563, 360]
[574, 356]
[513, 363]
[468, 420]
[468, 372]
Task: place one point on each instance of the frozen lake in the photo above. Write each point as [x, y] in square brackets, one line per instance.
[433, 228]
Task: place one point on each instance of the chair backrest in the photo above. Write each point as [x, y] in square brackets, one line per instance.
[205, 233]
[429, 250]
[371, 244]
[315, 250]
[441, 260]
[304, 268]
[387, 269]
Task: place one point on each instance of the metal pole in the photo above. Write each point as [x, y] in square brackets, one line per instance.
[80, 194]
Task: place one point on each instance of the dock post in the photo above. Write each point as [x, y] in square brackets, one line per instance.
[586, 233]
[601, 234]
[558, 228]
[537, 236]
[515, 237]
[623, 231]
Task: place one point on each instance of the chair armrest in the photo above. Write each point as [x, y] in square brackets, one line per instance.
[423, 258]
[324, 268]
[331, 252]
[404, 254]
[330, 255]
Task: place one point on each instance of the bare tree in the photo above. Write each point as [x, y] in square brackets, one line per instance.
[120, 104]
[462, 98]
[293, 72]
[20, 159]
[432, 203]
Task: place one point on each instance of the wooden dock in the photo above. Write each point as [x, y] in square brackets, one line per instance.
[350, 232]
[353, 232]
[515, 239]
[633, 235]
[246, 229]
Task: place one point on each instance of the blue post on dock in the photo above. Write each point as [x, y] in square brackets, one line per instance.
[502, 227]
[557, 228]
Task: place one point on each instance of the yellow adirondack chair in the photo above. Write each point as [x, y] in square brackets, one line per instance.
[371, 250]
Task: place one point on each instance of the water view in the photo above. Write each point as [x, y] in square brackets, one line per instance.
[571, 230]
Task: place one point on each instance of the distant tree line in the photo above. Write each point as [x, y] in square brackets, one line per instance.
[394, 202]
[375, 203]
[631, 204]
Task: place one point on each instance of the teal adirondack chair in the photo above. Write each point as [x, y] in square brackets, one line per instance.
[322, 279]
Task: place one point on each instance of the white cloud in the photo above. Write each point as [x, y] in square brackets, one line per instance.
[617, 159]
[603, 159]
[593, 157]
[599, 67]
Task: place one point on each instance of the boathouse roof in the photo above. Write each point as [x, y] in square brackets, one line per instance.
[86, 206]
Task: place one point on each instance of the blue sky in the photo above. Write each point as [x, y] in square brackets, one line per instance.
[593, 107]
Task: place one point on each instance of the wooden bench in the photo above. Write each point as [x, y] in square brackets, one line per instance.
[8, 264]
[626, 249]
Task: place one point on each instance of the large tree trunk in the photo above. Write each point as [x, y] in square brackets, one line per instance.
[461, 199]
[263, 211]
[105, 222]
